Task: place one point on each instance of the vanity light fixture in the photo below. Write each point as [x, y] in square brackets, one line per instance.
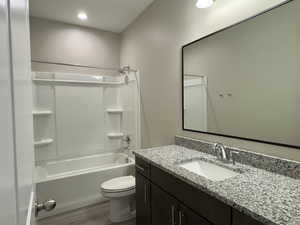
[82, 16]
[202, 4]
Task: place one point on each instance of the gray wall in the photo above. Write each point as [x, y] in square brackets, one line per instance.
[66, 43]
[153, 45]
[260, 72]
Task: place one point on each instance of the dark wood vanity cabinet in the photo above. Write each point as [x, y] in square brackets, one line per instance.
[162, 199]
[207, 207]
[241, 219]
[166, 210]
[143, 201]
[188, 217]
[164, 207]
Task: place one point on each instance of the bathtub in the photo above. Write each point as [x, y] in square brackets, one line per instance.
[75, 183]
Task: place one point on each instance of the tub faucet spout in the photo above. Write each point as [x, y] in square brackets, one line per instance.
[127, 140]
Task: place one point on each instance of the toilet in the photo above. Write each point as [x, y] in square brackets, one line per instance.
[121, 193]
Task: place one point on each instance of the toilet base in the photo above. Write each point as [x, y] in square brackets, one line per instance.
[122, 209]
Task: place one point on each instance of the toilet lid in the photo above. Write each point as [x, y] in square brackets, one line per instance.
[120, 183]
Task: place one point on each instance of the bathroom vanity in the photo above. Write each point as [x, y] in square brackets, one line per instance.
[170, 194]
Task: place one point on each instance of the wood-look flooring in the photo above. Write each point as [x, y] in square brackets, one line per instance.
[92, 215]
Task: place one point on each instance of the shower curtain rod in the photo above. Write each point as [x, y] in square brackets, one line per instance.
[82, 66]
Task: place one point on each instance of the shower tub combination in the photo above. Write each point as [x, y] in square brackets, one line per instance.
[81, 122]
[75, 183]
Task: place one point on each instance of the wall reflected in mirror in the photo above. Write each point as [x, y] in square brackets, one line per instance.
[244, 81]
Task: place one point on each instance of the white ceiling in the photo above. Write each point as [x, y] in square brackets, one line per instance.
[109, 15]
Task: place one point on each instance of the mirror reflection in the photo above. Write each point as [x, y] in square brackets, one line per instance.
[244, 81]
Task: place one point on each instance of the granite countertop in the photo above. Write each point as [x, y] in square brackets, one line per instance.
[270, 198]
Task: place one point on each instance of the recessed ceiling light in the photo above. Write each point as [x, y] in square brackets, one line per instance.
[202, 4]
[82, 16]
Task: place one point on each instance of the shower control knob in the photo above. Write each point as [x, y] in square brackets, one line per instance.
[45, 206]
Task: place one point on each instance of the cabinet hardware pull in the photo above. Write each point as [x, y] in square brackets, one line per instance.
[145, 194]
[173, 214]
[180, 218]
[140, 168]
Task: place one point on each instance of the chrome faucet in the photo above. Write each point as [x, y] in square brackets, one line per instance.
[222, 155]
[221, 152]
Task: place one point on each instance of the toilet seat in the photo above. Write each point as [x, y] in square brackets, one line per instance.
[119, 184]
[117, 190]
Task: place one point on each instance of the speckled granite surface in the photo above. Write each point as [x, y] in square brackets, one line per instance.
[270, 198]
[272, 164]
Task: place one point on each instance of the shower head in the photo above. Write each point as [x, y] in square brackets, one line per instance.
[124, 69]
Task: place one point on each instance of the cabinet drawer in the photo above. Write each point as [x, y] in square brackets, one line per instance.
[240, 218]
[142, 167]
[203, 204]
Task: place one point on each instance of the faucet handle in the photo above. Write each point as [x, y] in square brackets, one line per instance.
[233, 155]
[217, 150]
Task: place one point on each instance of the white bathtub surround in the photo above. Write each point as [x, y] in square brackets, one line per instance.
[42, 113]
[115, 135]
[43, 142]
[75, 183]
[89, 116]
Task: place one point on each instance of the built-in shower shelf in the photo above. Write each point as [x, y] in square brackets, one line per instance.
[116, 110]
[43, 142]
[115, 135]
[42, 112]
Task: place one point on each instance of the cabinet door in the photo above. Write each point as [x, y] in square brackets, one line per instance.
[164, 207]
[239, 218]
[188, 217]
[143, 208]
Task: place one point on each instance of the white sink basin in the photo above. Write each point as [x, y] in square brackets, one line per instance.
[208, 170]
